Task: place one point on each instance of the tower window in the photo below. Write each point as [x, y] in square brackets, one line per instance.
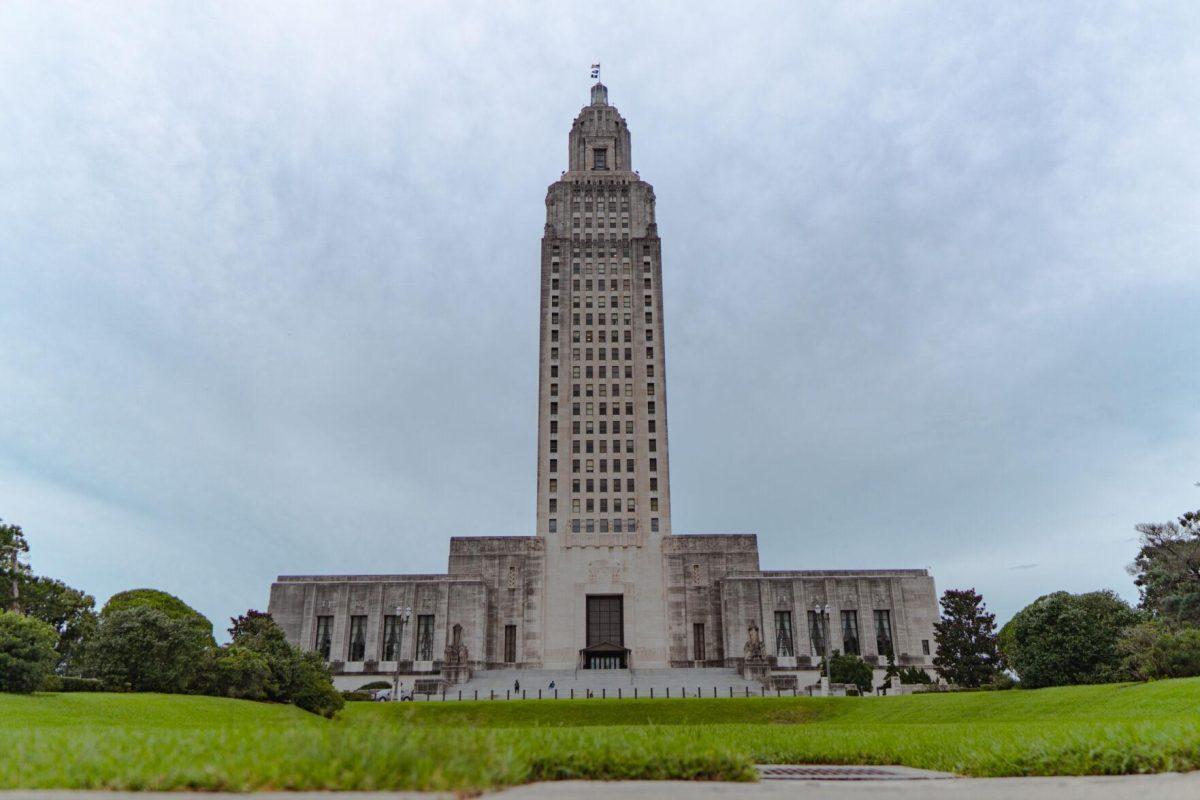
[600, 158]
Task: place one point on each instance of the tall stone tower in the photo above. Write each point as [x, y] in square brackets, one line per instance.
[602, 406]
[604, 498]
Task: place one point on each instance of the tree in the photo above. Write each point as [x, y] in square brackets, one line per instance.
[850, 669]
[145, 650]
[158, 600]
[1151, 651]
[1062, 639]
[69, 611]
[260, 663]
[234, 671]
[967, 653]
[13, 569]
[1167, 569]
[914, 675]
[26, 652]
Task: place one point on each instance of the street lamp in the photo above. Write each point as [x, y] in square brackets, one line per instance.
[822, 614]
[402, 615]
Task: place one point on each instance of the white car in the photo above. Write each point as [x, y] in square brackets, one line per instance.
[385, 695]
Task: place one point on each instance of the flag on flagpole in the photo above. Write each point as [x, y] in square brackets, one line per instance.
[596, 71]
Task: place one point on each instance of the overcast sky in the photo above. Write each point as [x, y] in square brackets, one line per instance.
[269, 280]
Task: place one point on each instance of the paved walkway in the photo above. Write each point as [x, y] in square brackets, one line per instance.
[1142, 787]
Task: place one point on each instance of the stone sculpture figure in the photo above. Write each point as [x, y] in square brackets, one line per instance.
[456, 651]
[754, 644]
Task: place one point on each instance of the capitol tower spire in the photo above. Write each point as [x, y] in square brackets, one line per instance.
[602, 412]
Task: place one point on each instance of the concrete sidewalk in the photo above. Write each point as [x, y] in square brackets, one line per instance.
[1171, 786]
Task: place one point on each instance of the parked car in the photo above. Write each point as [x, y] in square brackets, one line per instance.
[385, 695]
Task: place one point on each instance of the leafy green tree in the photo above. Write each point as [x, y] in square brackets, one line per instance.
[914, 675]
[235, 671]
[26, 652]
[1167, 569]
[1151, 651]
[1062, 639]
[260, 663]
[158, 600]
[967, 653]
[13, 567]
[145, 650]
[849, 668]
[69, 611]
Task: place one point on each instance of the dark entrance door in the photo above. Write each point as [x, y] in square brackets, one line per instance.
[605, 632]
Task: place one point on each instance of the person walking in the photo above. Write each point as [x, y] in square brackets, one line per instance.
[552, 684]
[516, 686]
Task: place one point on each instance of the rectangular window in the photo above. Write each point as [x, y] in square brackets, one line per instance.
[698, 641]
[424, 648]
[925, 646]
[324, 638]
[358, 638]
[605, 620]
[600, 158]
[654, 524]
[883, 632]
[816, 633]
[850, 633]
[391, 637]
[783, 634]
[510, 644]
[553, 525]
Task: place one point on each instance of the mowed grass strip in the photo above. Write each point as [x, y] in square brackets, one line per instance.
[171, 742]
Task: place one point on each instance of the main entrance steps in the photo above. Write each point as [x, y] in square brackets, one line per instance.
[607, 682]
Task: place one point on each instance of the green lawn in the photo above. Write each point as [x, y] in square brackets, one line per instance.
[173, 742]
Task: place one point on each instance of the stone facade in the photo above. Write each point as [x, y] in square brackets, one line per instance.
[604, 582]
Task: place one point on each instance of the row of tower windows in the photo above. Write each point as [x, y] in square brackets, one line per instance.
[588, 354]
[590, 390]
[586, 268]
[590, 427]
[590, 465]
[590, 445]
[590, 408]
[590, 485]
[602, 526]
[579, 336]
[590, 505]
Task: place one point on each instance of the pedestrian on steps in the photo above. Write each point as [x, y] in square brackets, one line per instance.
[516, 686]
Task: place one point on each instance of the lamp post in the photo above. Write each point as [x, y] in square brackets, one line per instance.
[402, 615]
[822, 614]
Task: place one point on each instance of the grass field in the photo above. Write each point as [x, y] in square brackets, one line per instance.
[176, 742]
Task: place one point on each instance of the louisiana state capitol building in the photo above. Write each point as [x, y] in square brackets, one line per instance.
[605, 590]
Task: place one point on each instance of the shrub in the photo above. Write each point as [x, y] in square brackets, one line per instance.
[1150, 652]
[849, 669]
[357, 695]
[373, 685]
[145, 650]
[1063, 639]
[914, 675]
[73, 683]
[238, 672]
[160, 601]
[260, 664]
[27, 652]
[311, 686]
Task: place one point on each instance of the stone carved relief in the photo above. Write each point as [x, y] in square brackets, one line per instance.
[605, 572]
[696, 577]
[512, 577]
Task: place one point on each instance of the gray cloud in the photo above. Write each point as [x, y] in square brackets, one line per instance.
[268, 280]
